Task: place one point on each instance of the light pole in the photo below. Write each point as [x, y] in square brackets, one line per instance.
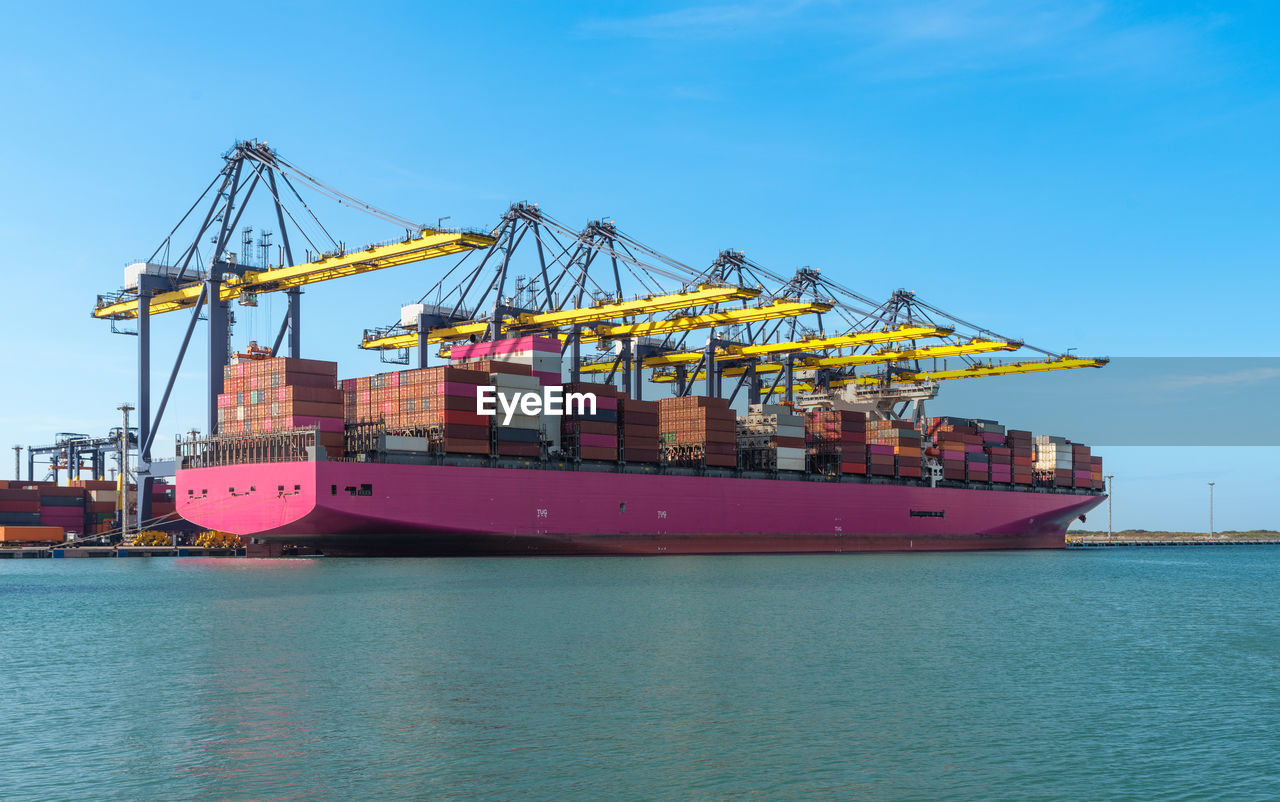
[1211, 510]
[1110, 483]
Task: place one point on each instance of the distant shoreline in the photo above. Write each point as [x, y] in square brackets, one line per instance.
[1136, 536]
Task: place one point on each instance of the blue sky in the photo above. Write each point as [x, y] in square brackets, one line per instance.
[1093, 175]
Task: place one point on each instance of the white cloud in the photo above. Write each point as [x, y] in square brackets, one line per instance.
[922, 38]
[1251, 376]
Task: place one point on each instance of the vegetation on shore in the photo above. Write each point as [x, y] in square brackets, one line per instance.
[1143, 535]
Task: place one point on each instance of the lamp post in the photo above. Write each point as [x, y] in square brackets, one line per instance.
[1211, 510]
[1110, 484]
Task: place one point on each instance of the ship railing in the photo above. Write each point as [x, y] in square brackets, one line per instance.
[211, 451]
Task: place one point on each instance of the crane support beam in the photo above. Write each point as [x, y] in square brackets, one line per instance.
[727, 317]
[428, 245]
[975, 346]
[705, 295]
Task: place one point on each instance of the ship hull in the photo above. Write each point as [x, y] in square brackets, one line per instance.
[374, 509]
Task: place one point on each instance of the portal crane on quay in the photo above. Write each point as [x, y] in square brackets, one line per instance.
[176, 277]
[809, 333]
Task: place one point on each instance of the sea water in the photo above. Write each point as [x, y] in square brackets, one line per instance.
[1103, 674]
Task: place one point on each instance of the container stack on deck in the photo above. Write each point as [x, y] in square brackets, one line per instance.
[280, 394]
[901, 440]
[771, 437]
[441, 398]
[999, 456]
[1053, 463]
[588, 436]
[1096, 480]
[837, 441]
[1022, 453]
[540, 354]
[695, 430]
[638, 430]
[520, 435]
[952, 437]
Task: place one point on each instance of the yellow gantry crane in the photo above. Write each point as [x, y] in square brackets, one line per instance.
[973, 372]
[429, 244]
[206, 283]
[704, 295]
[733, 353]
[979, 371]
[725, 317]
[781, 308]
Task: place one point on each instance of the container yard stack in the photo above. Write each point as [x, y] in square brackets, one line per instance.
[904, 443]
[638, 430]
[540, 354]
[696, 430]
[282, 394]
[439, 402]
[587, 436]
[19, 504]
[1053, 460]
[100, 504]
[771, 437]
[63, 507]
[1022, 452]
[999, 455]
[1081, 466]
[837, 441]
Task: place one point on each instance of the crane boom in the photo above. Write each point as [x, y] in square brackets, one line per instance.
[706, 294]
[975, 346]
[428, 245]
[848, 340]
[980, 371]
[726, 317]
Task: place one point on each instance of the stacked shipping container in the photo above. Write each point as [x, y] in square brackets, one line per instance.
[517, 435]
[638, 430]
[280, 394]
[426, 398]
[1022, 455]
[1053, 463]
[694, 430]
[586, 435]
[837, 441]
[771, 437]
[540, 354]
[899, 440]
[84, 507]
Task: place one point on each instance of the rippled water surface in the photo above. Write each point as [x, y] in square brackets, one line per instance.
[1138, 674]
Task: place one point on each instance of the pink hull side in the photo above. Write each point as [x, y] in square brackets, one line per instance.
[359, 508]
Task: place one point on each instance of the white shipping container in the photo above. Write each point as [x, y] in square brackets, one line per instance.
[399, 443]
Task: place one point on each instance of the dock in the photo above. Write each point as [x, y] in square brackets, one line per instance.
[66, 552]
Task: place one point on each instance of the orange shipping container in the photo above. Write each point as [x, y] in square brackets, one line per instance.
[32, 534]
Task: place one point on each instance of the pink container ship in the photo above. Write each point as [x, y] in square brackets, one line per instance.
[403, 463]
[369, 509]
